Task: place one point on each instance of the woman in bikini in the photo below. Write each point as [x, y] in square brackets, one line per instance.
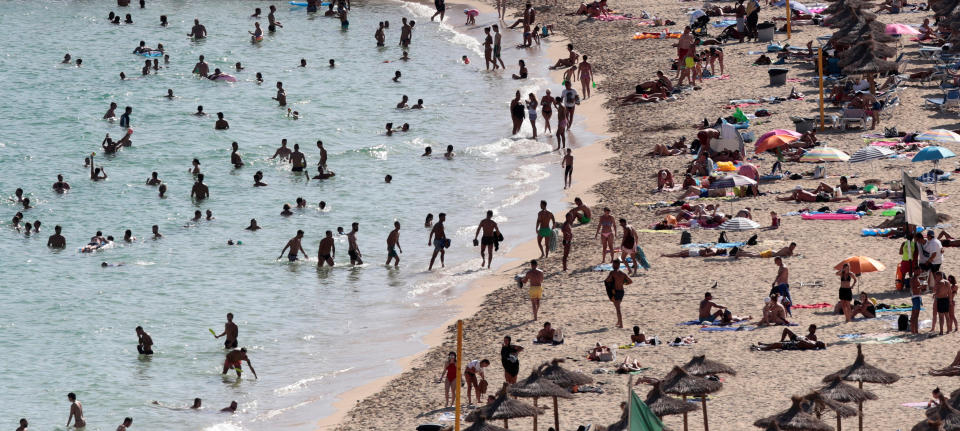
[546, 108]
[847, 281]
[606, 231]
[586, 77]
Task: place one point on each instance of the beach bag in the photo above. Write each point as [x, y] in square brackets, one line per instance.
[903, 322]
[685, 238]
[752, 240]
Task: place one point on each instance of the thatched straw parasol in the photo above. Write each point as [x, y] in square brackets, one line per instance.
[794, 419]
[868, 45]
[701, 366]
[816, 403]
[662, 404]
[624, 423]
[860, 371]
[537, 386]
[563, 377]
[943, 7]
[944, 413]
[839, 391]
[482, 425]
[679, 382]
[503, 407]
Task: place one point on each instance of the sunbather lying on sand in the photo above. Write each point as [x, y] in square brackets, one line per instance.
[692, 252]
[801, 195]
[628, 365]
[950, 370]
[791, 345]
[783, 252]
[592, 9]
[600, 353]
[946, 240]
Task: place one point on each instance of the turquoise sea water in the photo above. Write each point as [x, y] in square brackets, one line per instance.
[66, 324]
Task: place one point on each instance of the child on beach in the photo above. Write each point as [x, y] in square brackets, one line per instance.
[471, 16]
[448, 377]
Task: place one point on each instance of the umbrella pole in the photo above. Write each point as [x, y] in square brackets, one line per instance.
[703, 401]
[860, 410]
[535, 416]
[838, 423]
[505, 425]
[556, 415]
[684, 415]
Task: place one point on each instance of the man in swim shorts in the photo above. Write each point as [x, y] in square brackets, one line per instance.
[298, 159]
[230, 330]
[295, 246]
[393, 244]
[144, 342]
[438, 239]
[235, 359]
[534, 276]
[781, 284]
[327, 250]
[581, 211]
[200, 191]
[489, 240]
[706, 307]
[56, 240]
[567, 165]
[198, 32]
[496, 47]
[283, 152]
[614, 283]
[353, 249]
[941, 296]
[545, 225]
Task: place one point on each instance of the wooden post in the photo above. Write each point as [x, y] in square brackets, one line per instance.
[838, 423]
[684, 415]
[459, 367]
[788, 19]
[860, 409]
[556, 415]
[820, 67]
[535, 416]
[703, 399]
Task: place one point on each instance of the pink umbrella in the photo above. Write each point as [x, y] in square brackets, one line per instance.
[750, 171]
[779, 132]
[900, 29]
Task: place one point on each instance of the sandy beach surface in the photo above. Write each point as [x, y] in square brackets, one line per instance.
[617, 173]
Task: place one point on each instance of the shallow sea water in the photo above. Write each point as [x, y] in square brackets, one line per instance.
[66, 324]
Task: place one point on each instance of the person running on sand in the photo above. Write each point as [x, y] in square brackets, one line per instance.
[295, 246]
[567, 164]
[327, 250]
[491, 233]
[628, 246]
[76, 412]
[606, 231]
[393, 245]
[544, 228]
[234, 360]
[783, 252]
[438, 239]
[546, 110]
[449, 379]
[534, 277]
[614, 283]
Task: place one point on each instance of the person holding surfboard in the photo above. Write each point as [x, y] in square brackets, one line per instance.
[230, 331]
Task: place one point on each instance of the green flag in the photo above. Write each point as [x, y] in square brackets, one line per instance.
[641, 418]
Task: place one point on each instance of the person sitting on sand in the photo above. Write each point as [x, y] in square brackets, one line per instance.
[863, 307]
[692, 252]
[570, 61]
[600, 353]
[664, 179]
[801, 195]
[546, 334]
[766, 254]
[926, 32]
[946, 240]
[729, 318]
[774, 313]
[638, 337]
[706, 306]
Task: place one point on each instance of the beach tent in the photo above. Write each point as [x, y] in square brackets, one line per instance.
[730, 139]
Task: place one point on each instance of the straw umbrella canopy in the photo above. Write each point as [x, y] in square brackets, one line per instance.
[839, 391]
[701, 366]
[503, 407]
[867, 44]
[662, 404]
[943, 7]
[816, 403]
[537, 386]
[869, 29]
[680, 382]
[482, 425]
[860, 371]
[944, 414]
[563, 377]
[794, 419]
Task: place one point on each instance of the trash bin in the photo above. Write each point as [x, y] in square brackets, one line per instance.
[778, 76]
[765, 31]
[803, 125]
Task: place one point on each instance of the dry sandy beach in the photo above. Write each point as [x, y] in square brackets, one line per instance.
[617, 173]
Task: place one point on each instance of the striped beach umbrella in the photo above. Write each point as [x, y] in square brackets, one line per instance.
[869, 153]
[824, 154]
[732, 181]
[938, 135]
[739, 223]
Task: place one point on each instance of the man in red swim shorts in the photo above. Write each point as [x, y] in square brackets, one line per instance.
[234, 360]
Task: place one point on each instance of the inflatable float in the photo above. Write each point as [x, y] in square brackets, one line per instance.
[303, 3]
[151, 53]
[227, 78]
[829, 216]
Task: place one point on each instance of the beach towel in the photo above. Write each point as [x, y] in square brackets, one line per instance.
[728, 328]
[642, 257]
[717, 77]
[612, 17]
[714, 245]
[918, 406]
[690, 322]
[820, 305]
[658, 231]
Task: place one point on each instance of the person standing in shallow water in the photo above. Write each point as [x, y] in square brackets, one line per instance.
[438, 239]
[230, 331]
[76, 412]
[393, 244]
[295, 246]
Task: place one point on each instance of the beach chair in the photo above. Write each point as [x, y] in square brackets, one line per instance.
[950, 99]
[853, 116]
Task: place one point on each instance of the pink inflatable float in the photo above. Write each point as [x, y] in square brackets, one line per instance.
[829, 216]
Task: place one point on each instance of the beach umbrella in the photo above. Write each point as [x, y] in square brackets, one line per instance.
[482, 425]
[795, 5]
[816, 403]
[701, 366]
[870, 65]
[863, 46]
[896, 28]
[773, 132]
[794, 419]
[749, 170]
[839, 391]
[662, 404]
[734, 180]
[680, 382]
[503, 407]
[773, 141]
[739, 224]
[935, 153]
[871, 152]
[945, 415]
[861, 264]
[938, 135]
[563, 377]
[860, 371]
[824, 154]
[537, 386]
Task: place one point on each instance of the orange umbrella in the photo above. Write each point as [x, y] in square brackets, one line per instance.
[774, 141]
[861, 264]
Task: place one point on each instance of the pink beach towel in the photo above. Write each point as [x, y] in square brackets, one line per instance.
[615, 18]
[884, 143]
[820, 305]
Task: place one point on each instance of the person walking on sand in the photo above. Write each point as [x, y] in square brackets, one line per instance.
[570, 101]
[230, 331]
[295, 247]
[449, 378]
[628, 246]
[614, 283]
[534, 277]
[567, 230]
[438, 239]
[491, 234]
[607, 231]
[393, 244]
[234, 360]
[567, 165]
[545, 224]
[76, 412]
[509, 360]
[586, 77]
[781, 284]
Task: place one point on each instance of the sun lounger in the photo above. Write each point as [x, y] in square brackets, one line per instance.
[950, 99]
[853, 116]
